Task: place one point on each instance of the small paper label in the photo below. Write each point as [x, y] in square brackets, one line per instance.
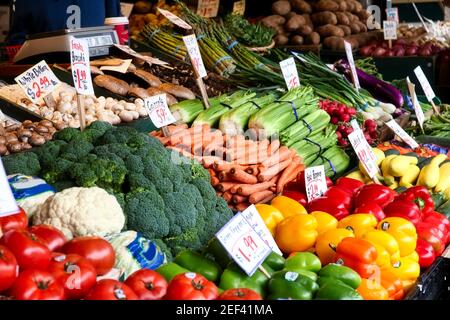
[194, 54]
[392, 14]
[50, 101]
[355, 125]
[158, 110]
[239, 7]
[390, 30]
[291, 276]
[364, 152]
[8, 204]
[315, 182]
[131, 52]
[38, 81]
[290, 74]
[351, 61]
[417, 108]
[190, 275]
[81, 68]
[402, 134]
[175, 19]
[424, 83]
[244, 245]
[126, 9]
[208, 8]
[123, 68]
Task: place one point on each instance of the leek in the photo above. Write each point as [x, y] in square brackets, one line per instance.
[211, 116]
[186, 111]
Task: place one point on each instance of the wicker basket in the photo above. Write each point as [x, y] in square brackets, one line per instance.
[263, 49]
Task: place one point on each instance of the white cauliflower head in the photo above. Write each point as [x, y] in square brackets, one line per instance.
[82, 212]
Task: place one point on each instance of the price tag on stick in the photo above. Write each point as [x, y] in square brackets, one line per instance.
[8, 205]
[426, 87]
[290, 74]
[244, 244]
[402, 133]
[38, 81]
[365, 153]
[417, 108]
[351, 61]
[175, 19]
[208, 8]
[392, 15]
[315, 182]
[158, 111]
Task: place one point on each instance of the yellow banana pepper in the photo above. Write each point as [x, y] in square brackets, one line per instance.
[328, 241]
[287, 206]
[270, 215]
[385, 240]
[403, 231]
[325, 221]
[296, 233]
[407, 270]
[359, 223]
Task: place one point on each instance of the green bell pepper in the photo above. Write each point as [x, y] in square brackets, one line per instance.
[275, 261]
[337, 290]
[216, 251]
[170, 270]
[195, 262]
[291, 285]
[345, 274]
[234, 277]
[303, 260]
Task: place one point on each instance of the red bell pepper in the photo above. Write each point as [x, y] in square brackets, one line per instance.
[334, 206]
[374, 193]
[404, 209]
[350, 184]
[438, 220]
[433, 235]
[422, 193]
[373, 209]
[342, 194]
[425, 252]
[298, 196]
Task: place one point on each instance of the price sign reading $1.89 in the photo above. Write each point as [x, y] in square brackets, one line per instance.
[38, 81]
[290, 74]
[243, 243]
[158, 110]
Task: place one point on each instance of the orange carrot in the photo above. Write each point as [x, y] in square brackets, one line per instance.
[164, 140]
[294, 174]
[273, 189]
[177, 128]
[258, 196]
[273, 147]
[155, 133]
[209, 161]
[212, 173]
[281, 155]
[242, 206]
[282, 181]
[227, 196]
[225, 186]
[248, 189]
[273, 170]
[238, 199]
[253, 169]
[268, 199]
[224, 176]
[214, 181]
[224, 166]
[242, 176]
[235, 188]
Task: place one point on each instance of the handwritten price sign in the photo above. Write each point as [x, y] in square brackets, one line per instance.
[38, 81]
[392, 14]
[390, 30]
[194, 54]
[364, 152]
[315, 182]
[417, 108]
[208, 8]
[175, 19]
[81, 68]
[8, 205]
[158, 110]
[290, 74]
[351, 61]
[402, 133]
[239, 7]
[243, 243]
[424, 83]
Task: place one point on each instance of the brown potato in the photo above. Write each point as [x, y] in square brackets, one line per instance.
[342, 5]
[296, 40]
[321, 18]
[308, 20]
[334, 43]
[358, 7]
[355, 28]
[281, 7]
[273, 21]
[294, 23]
[301, 6]
[3, 149]
[281, 40]
[329, 30]
[290, 15]
[304, 30]
[326, 5]
[14, 147]
[342, 18]
[362, 26]
[346, 29]
[313, 38]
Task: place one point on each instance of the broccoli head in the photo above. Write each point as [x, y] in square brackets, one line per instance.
[137, 181]
[95, 131]
[57, 170]
[67, 134]
[63, 184]
[76, 149]
[186, 240]
[49, 152]
[26, 163]
[134, 164]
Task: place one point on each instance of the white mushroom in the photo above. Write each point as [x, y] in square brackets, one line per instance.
[126, 116]
[130, 106]
[65, 107]
[139, 103]
[142, 111]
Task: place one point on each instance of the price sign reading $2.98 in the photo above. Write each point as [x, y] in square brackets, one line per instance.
[158, 110]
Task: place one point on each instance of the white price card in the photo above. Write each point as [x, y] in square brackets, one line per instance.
[402, 134]
[355, 125]
[194, 54]
[315, 182]
[416, 105]
[126, 9]
[158, 110]
[390, 30]
[175, 19]
[208, 8]
[392, 14]
[364, 152]
[38, 81]
[351, 61]
[8, 205]
[254, 219]
[131, 52]
[239, 7]
[80, 66]
[290, 74]
[424, 83]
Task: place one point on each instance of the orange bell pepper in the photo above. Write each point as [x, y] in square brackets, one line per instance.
[358, 254]
[327, 243]
[372, 290]
[325, 221]
[296, 233]
[392, 284]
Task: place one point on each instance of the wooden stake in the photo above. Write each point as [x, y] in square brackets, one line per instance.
[80, 104]
[435, 107]
[390, 43]
[264, 271]
[202, 87]
[165, 131]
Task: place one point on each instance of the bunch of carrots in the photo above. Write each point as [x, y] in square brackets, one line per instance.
[243, 171]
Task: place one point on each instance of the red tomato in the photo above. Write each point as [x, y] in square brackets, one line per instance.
[239, 294]
[191, 286]
[37, 285]
[75, 273]
[108, 289]
[8, 268]
[14, 221]
[147, 284]
[50, 236]
[29, 251]
[97, 250]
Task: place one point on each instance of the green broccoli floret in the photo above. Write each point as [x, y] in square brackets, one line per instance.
[83, 175]
[208, 193]
[134, 164]
[67, 134]
[57, 170]
[96, 130]
[26, 163]
[49, 152]
[76, 149]
[199, 172]
[186, 240]
[145, 211]
[138, 181]
[114, 135]
[63, 184]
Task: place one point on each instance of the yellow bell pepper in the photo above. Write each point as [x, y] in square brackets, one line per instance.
[325, 221]
[328, 241]
[371, 289]
[407, 270]
[359, 223]
[296, 233]
[403, 231]
[386, 241]
[383, 257]
[287, 206]
[270, 215]
[413, 256]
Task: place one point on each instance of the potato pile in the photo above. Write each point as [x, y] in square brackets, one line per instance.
[299, 22]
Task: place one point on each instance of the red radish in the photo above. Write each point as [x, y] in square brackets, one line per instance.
[389, 53]
[334, 120]
[370, 123]
[341, 128]
[351, 111]
[348, 130]
[345, 117]
[338, 135]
